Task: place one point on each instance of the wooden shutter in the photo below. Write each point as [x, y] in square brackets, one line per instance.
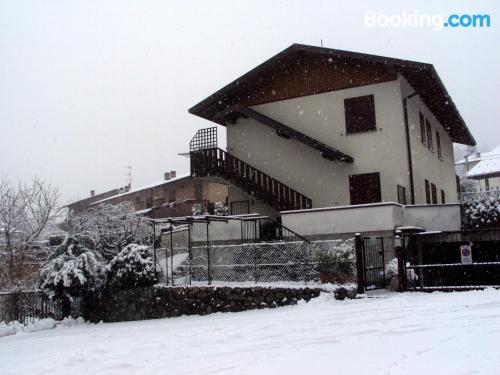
[438, 143]
[359, 114]
[427, 192]
[443, 197]
[434, 194]
[430, 144]
[365, 188]
[423, 138]
[401, 194]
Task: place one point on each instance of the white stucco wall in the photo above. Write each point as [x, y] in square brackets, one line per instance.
[426, 163]
[443, 217]
[322, 117]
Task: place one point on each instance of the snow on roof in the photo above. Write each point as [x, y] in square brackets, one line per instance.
[488, 165]
[481, 156]
[149, 186]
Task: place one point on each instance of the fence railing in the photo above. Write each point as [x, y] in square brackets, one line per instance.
[471, 195]
[265, 262]
[27, 306]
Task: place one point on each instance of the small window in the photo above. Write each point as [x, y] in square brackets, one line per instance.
[423, 138]
[434, 194]
[427, 192]
[171, 195]
[359, 114]
[430, 144]
[443, 197]
[365, 188]
[401, 194]
[438, 143]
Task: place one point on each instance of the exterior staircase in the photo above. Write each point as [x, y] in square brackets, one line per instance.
[214, 162]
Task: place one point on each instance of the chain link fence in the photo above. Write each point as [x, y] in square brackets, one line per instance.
[264, 262]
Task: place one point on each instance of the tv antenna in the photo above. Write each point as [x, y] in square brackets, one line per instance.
[321, 41]
[129, 175]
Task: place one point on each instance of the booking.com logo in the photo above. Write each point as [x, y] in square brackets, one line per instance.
[419, 20]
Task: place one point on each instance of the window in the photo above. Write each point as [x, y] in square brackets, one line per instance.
[438, 143]
[427, 192]
[423, 138]
[401, 194]
[443, 197]
[434, 194]
[240, 207]
[365, 188]
[171, 195]
[429, 135]
[359, 114]
[198, 192]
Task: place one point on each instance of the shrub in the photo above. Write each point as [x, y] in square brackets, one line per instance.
[132, 267]
[481, 212]
[339, 264]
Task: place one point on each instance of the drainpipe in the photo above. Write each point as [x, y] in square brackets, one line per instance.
[408, 146]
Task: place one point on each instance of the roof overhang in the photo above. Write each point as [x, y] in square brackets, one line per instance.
[252, 88]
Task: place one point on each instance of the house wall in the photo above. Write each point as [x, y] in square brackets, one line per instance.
[322, 117]
[426, 163]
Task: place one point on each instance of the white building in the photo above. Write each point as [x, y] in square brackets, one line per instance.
[314, 127]
[482, 167]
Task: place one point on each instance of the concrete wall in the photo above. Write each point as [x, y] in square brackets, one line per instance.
[367, 219]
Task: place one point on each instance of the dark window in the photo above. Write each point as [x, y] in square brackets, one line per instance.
[198, 192]
[149, 202]
[434, 194]
[401, 194]
[359, 114]
[171, 195]
[430, 144]
[365, 188]
[443, 197]
[427, 192]
[423, 138]
[438, 143]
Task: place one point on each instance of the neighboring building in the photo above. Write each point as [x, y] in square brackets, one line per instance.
[83, 204]
[486, 170]
[315, 127]
[173, 196]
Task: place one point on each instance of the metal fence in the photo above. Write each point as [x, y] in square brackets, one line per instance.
[27, 306]
[262, 262]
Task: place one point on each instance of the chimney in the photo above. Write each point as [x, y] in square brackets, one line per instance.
[127, 188]
[172, 174]
[92, 193]
[166, 175]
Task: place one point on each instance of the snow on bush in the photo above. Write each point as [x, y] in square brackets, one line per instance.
[199, 209]
[391, 270]
[220, 209]
[11, 328]
[132, 267]
[481, 212]
[75, 270]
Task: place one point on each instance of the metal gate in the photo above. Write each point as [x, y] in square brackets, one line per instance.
[373, 262]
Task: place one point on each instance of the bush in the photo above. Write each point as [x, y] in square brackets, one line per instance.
[481, 212]
[132, 267]
[339, 264]
[74, 270]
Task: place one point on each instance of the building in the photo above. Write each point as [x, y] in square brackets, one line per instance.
[482, 167]
[315, 128]
[83, 204]
[173, 196]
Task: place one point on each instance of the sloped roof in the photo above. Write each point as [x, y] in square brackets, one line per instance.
[488, 166]
[250, 88]
[482, 155]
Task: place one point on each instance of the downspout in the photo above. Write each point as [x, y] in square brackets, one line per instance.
[408, 146]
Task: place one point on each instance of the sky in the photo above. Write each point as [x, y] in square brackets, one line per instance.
[88, 88]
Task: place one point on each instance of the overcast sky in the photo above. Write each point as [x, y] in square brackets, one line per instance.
[90, 87]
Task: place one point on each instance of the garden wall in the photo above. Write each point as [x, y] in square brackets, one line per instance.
[163, 302]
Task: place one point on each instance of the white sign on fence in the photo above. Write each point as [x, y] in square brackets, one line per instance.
[466, 254]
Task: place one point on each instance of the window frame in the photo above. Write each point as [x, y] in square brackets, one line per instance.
[443, 197]
[356, 197]
[434, 193]
[423, 130]
[401, 194]
[428, 127]
[438, 144]
[427, 191]
[352, 125]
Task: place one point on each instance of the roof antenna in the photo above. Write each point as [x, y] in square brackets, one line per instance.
[321, 42]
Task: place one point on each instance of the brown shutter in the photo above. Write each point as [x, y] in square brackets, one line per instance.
[427, 192]
[365, 188]
[359, 114]
[443, 197]
[423, 138]
[434, 194]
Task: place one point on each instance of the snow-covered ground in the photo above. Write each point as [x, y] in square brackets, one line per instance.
[438, 333]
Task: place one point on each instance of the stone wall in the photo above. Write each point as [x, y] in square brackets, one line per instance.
[163, 302]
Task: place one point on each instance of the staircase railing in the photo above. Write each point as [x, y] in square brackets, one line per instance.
[219, 163]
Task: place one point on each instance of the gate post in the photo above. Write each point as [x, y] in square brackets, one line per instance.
[400, 255]
[360, 271]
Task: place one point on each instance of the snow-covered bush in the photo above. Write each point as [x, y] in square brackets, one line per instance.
[220, 209]
[392, 269]
[199, 209]
[481, 212]
[132, 267]
[339, 263]
[75, 269]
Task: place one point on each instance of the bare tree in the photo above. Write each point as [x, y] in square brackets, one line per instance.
[26, 210]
